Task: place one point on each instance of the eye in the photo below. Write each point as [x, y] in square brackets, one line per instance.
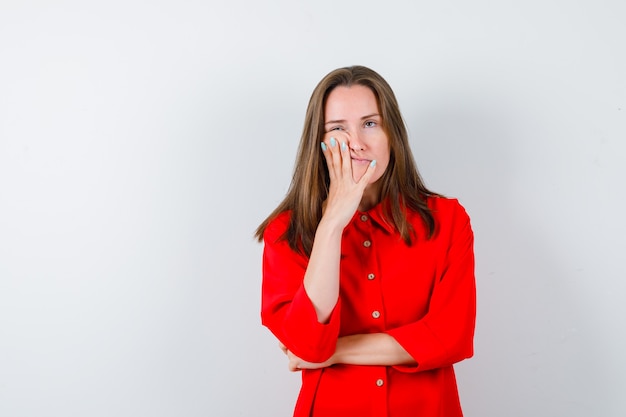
[335, 128]
[370, 123]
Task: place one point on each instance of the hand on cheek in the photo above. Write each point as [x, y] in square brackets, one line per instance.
[345, 191]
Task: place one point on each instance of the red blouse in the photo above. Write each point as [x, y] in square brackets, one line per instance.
[422, 295]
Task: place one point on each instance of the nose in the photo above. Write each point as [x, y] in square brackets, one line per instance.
[354, 141]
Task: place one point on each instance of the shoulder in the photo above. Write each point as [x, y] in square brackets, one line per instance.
[450, 216]
[446, 208]
[277, 227]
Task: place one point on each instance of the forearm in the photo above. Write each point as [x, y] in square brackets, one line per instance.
[321, 280]
[370, 349]
[359, 349]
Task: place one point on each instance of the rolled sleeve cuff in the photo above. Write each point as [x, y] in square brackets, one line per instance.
[311, 340]
[423, 346]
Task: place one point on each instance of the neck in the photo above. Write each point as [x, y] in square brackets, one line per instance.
[370, 197]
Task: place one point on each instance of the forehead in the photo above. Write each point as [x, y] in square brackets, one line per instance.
[354, 102]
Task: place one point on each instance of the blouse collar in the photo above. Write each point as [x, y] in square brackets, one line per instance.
[377, 215]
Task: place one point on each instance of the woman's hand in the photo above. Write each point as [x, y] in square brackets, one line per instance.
[296, 364]
[345, 193]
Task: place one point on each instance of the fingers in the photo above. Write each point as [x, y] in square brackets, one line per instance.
[337, 155]
[293, 367]
[293, 361]
[328, 155]
[346, 162]
[365, 179]
[296, 364]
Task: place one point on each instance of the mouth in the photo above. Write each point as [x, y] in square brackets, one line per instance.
[361, 160]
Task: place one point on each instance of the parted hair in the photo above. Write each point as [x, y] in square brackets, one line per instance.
[401, 185]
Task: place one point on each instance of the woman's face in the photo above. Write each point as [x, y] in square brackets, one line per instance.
[352, 114]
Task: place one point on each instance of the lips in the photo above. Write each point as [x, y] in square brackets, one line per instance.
[361, 160]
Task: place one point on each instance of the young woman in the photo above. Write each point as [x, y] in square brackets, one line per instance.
[368, 277]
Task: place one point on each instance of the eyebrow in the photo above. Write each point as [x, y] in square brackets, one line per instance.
[343, 121]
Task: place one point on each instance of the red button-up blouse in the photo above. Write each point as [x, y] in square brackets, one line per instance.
[423, 295]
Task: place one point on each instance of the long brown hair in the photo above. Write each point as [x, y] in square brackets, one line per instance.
[401, 183]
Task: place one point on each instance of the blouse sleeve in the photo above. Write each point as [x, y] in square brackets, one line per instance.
[445, 334]
[286, 309]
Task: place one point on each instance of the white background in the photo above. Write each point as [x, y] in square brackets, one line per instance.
[142, 142]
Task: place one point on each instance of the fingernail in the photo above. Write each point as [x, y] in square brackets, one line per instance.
[333, 142]
[373, 163]
[343, 146]
[323, 146]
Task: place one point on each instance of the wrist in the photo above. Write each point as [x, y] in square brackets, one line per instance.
[329, 228]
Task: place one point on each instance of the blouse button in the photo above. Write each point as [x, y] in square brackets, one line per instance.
[363, 218]
[376, 314]
[379, 382]
[367, 243]
[371, 276]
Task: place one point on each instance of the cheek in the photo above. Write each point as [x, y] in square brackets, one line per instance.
[381, 166]
[380, 171]
[358, 170]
